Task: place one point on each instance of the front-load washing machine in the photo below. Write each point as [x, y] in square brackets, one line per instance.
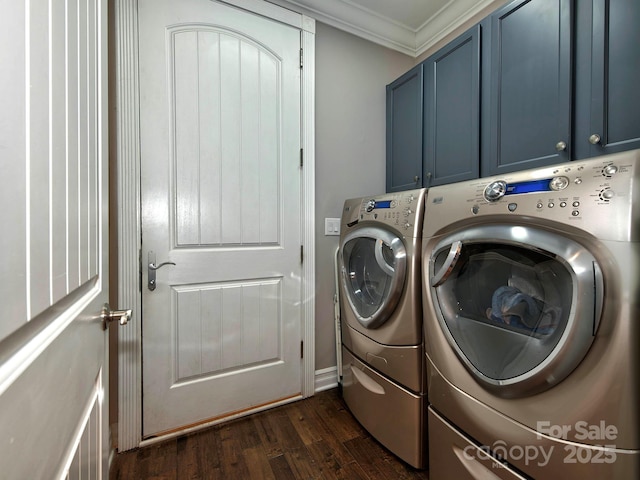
[383, 374]
[531, 300]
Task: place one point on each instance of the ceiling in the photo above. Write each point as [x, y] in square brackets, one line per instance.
[409, 26]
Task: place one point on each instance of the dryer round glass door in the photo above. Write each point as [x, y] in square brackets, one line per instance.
[520, 306]
[373, 274]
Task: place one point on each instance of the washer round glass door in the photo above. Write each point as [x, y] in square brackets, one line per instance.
[373, 273]
[520, 306]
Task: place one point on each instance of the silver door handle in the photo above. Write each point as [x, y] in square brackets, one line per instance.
[154, 267]
[108, 316]
[151, 270]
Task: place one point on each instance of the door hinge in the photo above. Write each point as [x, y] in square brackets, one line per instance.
[301, 58]
[140, 270]
[301, 253]
[301, 348]
[301, 157]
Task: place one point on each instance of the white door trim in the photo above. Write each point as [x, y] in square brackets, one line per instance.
[129, 208]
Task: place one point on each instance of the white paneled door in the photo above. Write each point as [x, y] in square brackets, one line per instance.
[53, 273]
[221, 201]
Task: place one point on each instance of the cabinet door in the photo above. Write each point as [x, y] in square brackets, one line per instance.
[530, 93]
[404, 132]
[452, 111]
[615, 73]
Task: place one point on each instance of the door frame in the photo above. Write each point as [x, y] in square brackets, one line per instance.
[129, 229]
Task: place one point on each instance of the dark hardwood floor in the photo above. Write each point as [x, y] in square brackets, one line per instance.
[315, 438]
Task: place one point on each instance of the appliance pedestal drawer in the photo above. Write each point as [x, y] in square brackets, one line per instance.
[393, 415]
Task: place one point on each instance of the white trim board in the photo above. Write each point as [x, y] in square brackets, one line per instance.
[326, 379]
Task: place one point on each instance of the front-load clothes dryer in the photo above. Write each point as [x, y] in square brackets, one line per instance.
[532, 304]
[383, 374]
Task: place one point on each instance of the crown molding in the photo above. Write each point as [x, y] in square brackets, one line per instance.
[358, 21]
[370, 25]
[456, 15]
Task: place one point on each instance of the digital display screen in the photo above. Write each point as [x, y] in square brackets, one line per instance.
[383, 204]
[529, 187]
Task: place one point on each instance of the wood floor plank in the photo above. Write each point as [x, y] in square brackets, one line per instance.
[368, 451]
[198, 455]
[305, 423]
[258, 463]
[331, 465]
[246, 432]
[187, 457]
[338, 449]
[285, 433]
[365, 454]
[339, 420]
[233, 464]
[281, 468]
[209, 448]
[267, 436]
[158, 462]
[315, 438]
[302, 464]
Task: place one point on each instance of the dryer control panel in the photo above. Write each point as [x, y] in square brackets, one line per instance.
[403, 211]
[594, 195]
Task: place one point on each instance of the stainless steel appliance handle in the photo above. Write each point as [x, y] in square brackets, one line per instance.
[598, 283]
[367, 382]
[450, 262]
[382, 263]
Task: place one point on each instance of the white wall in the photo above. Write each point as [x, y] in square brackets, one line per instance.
[351, 75]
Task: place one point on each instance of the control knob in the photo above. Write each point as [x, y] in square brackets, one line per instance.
[495, 191]
[371, 204]
[609, 170]
[559, 183]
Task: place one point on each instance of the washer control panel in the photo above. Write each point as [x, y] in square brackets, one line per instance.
[403, 211]
[595, 195]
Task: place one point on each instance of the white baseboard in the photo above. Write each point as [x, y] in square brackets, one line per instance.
[326, 379]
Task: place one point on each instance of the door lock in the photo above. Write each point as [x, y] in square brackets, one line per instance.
[151, 270]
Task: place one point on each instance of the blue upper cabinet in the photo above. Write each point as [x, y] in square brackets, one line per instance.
[527, 121]
[404, 132]
[538, 82]
[607, 77]
[452, 111]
